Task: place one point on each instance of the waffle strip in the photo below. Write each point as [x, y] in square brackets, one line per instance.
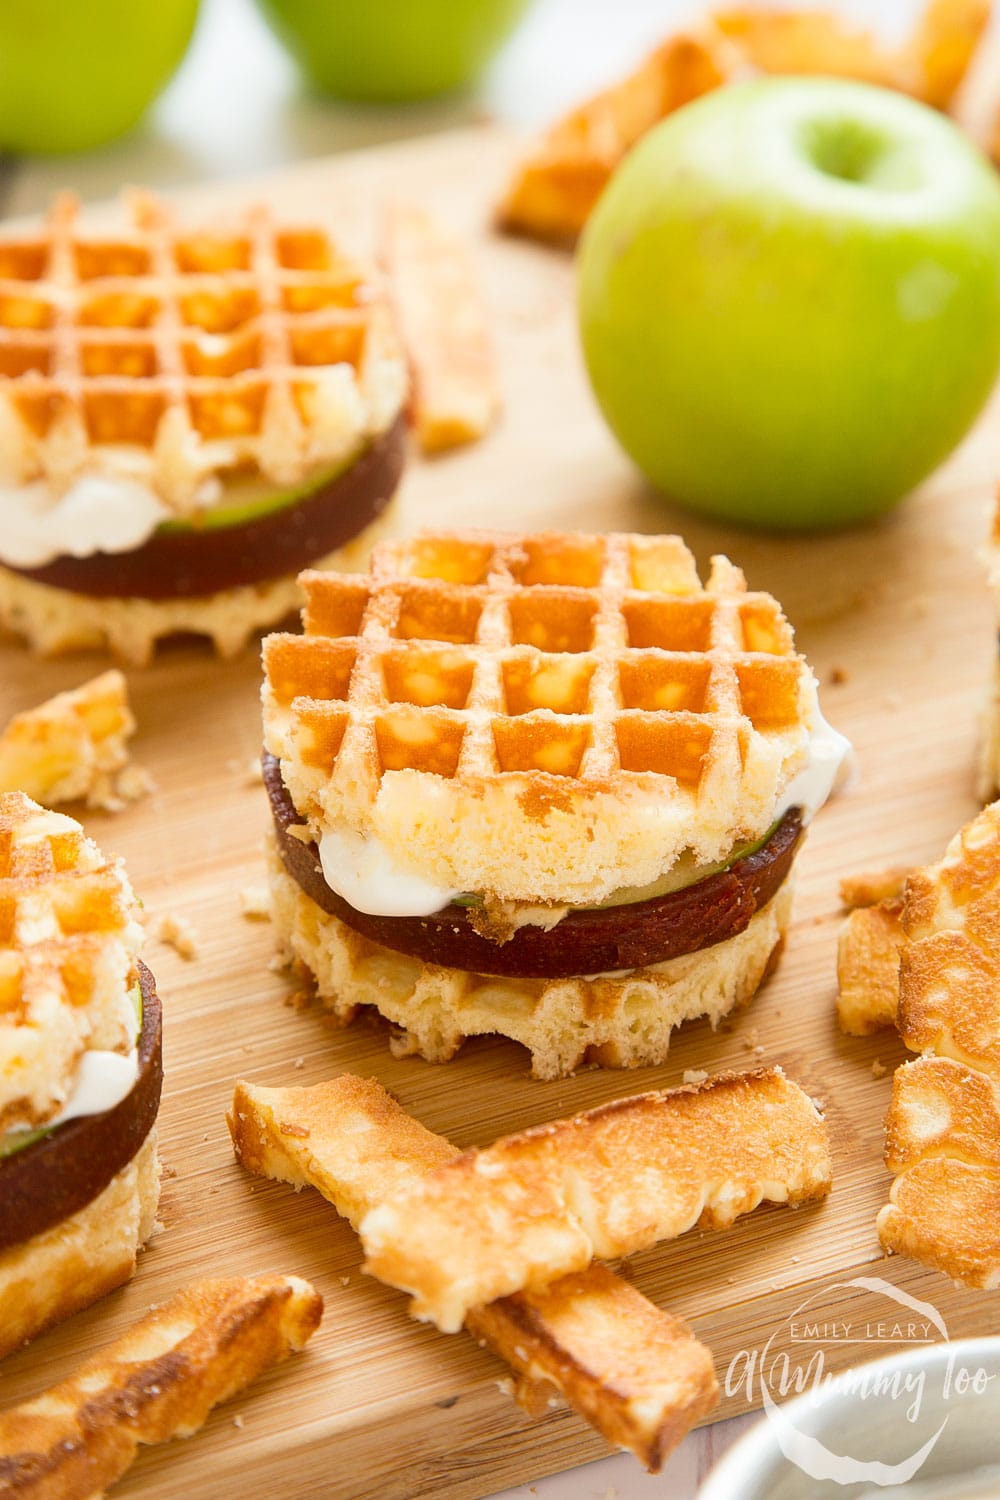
[579, 702]
[158, 1381]
[69, 937]
[195, 352]
[637, 1374]
[543, 1203]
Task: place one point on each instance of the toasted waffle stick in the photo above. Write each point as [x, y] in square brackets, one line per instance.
[545, 1202]
[158, 1381]
[868, 968]
[636, 1374]
[443, 323]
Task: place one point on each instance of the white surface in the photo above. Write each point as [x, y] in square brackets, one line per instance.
[236, 107]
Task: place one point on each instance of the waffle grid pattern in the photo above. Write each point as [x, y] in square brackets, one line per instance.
[203, 350]
[68, 942]
[580, 664]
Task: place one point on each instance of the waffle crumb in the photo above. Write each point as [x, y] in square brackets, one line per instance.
[879, 1069]
[255, 903]
[73, 747]
[838, 676]
[238, 1421]
[695, 1075]
[178, 933]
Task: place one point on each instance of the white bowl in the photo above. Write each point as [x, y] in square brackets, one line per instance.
[919, 1424]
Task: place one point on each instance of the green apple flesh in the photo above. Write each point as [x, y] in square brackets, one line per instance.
[789, 300]
[74, 75]
[246, 500]
[391, 50]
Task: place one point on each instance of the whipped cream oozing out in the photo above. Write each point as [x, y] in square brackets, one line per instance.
[96, 514]
[362, 871]
[829, 762]
[102, 1081]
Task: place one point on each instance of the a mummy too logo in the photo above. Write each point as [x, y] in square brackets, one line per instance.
[796, 1361]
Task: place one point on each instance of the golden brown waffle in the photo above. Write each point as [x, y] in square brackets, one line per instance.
[936, 954]
[158, 1381]
[174, 355]
[635, 1373]
[72, 747]
[580, 706]
[69, 938]
[543, 1203]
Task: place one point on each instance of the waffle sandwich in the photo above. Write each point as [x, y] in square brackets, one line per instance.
[545, 786]
[930, 960]
[80, 1072]
[187, 418]
[635, 1373]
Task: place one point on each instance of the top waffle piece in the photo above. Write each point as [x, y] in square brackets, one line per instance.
[69, 937]
[941, 961]
[582, 707]
[169, 355]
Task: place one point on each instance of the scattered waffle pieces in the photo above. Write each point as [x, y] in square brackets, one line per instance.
[868, 968]
[443, 323]
[873, 886]
[543, 1203]
[940, 947]
[73, 748]
[554, 190]
[178, 933]
[158, 1381]
[582, 700]
[637, 1374]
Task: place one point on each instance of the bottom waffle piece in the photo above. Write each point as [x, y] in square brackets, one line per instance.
[57, 621]
[618, 1021]
[158, 1381]
[638, 1375]
[78, 1260]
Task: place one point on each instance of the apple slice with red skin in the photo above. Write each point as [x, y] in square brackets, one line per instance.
[586, 941]
[190, 563]
[62, 1173]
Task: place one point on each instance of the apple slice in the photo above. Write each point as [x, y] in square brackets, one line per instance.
[592, 940]
[184, 562]
[68, 1167]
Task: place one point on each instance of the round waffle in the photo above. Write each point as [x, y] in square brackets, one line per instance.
[580, 707]
[177, 360]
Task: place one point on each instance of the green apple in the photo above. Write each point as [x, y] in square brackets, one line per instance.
[77, 73]
[789, 300]
[392, 49]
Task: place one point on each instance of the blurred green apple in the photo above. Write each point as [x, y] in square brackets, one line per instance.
[789, 300]
[77, 73]
[392, 50]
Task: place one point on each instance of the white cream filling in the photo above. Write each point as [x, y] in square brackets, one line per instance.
[102, 1080]
[96, 514]
[361, 869]
[363, 872]
[829, 763]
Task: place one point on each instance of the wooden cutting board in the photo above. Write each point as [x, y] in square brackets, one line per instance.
[897, 623]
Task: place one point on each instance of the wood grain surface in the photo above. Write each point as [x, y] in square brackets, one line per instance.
[897, 623]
